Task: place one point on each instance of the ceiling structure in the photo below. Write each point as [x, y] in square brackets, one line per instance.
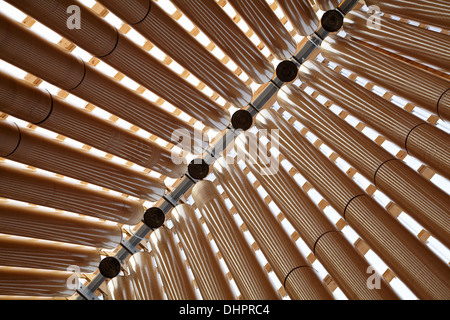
[88, 117]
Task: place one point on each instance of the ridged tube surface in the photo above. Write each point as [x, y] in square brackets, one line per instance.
[120, 288]
[430, 12]
[21, 99]
[425, 202]
[34, 282]
[301, 15]
[174, 276]
[250, 278]
[206, 269]
[264, 22]
[45, 223]
[42, 254]
[420, 139]
[436, 141]
[279, 249]
[158, 26]
[422, 199]
[143, 276]
[444, 102]
[327, 178]
[418, 86]
[350, 269]
[209, 17]
[28, 186]
[54, 14]
[285, 192]
[53, 155]
[329, 245]
[429, 46]
[114, 48]
[326, 5]
[412, 262]
[26, 50]
[423, 272]
[167, 84]
[366, 155]
[24, 101]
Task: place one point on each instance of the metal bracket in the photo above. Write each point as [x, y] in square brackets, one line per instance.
[265, 95]
[315, 39]
[215, 152]
[86, 293]
[128, 246]
[170, 200]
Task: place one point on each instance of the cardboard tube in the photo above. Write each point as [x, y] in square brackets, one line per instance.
[423, 272]
[422, 199]
[418, 138]
[327, 178]
[384, 234]
[29, 186]
[430, 12]
[42, 254]
[338, 256]
[425, 45]
[169, 85]
[350, 269]
[24, 49]
[34, 282]
[301, 15]
[279, 249]
[174, 276]
[443, 103]
[45, 223]
[326, 5]
[158, 26]
[250, 278]
[264, 22]
[427, 137]
[50, 154]
[22, 100]
[143, 276]
[209, 17]
[418, 86]
[356, 148]
[105, 42]
[206, 269]
[300, 211]
[120, 288]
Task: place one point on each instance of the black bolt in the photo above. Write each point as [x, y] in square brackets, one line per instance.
[242, 119]
[198, 169]
[109, 267]
[286, 71]
[154, 217]
[332, 20]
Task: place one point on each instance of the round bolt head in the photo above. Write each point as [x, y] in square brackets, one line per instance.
[198, 170]
[286, 71]
[242, 119]
[332, 21]
[109, 267]
[154, 217]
